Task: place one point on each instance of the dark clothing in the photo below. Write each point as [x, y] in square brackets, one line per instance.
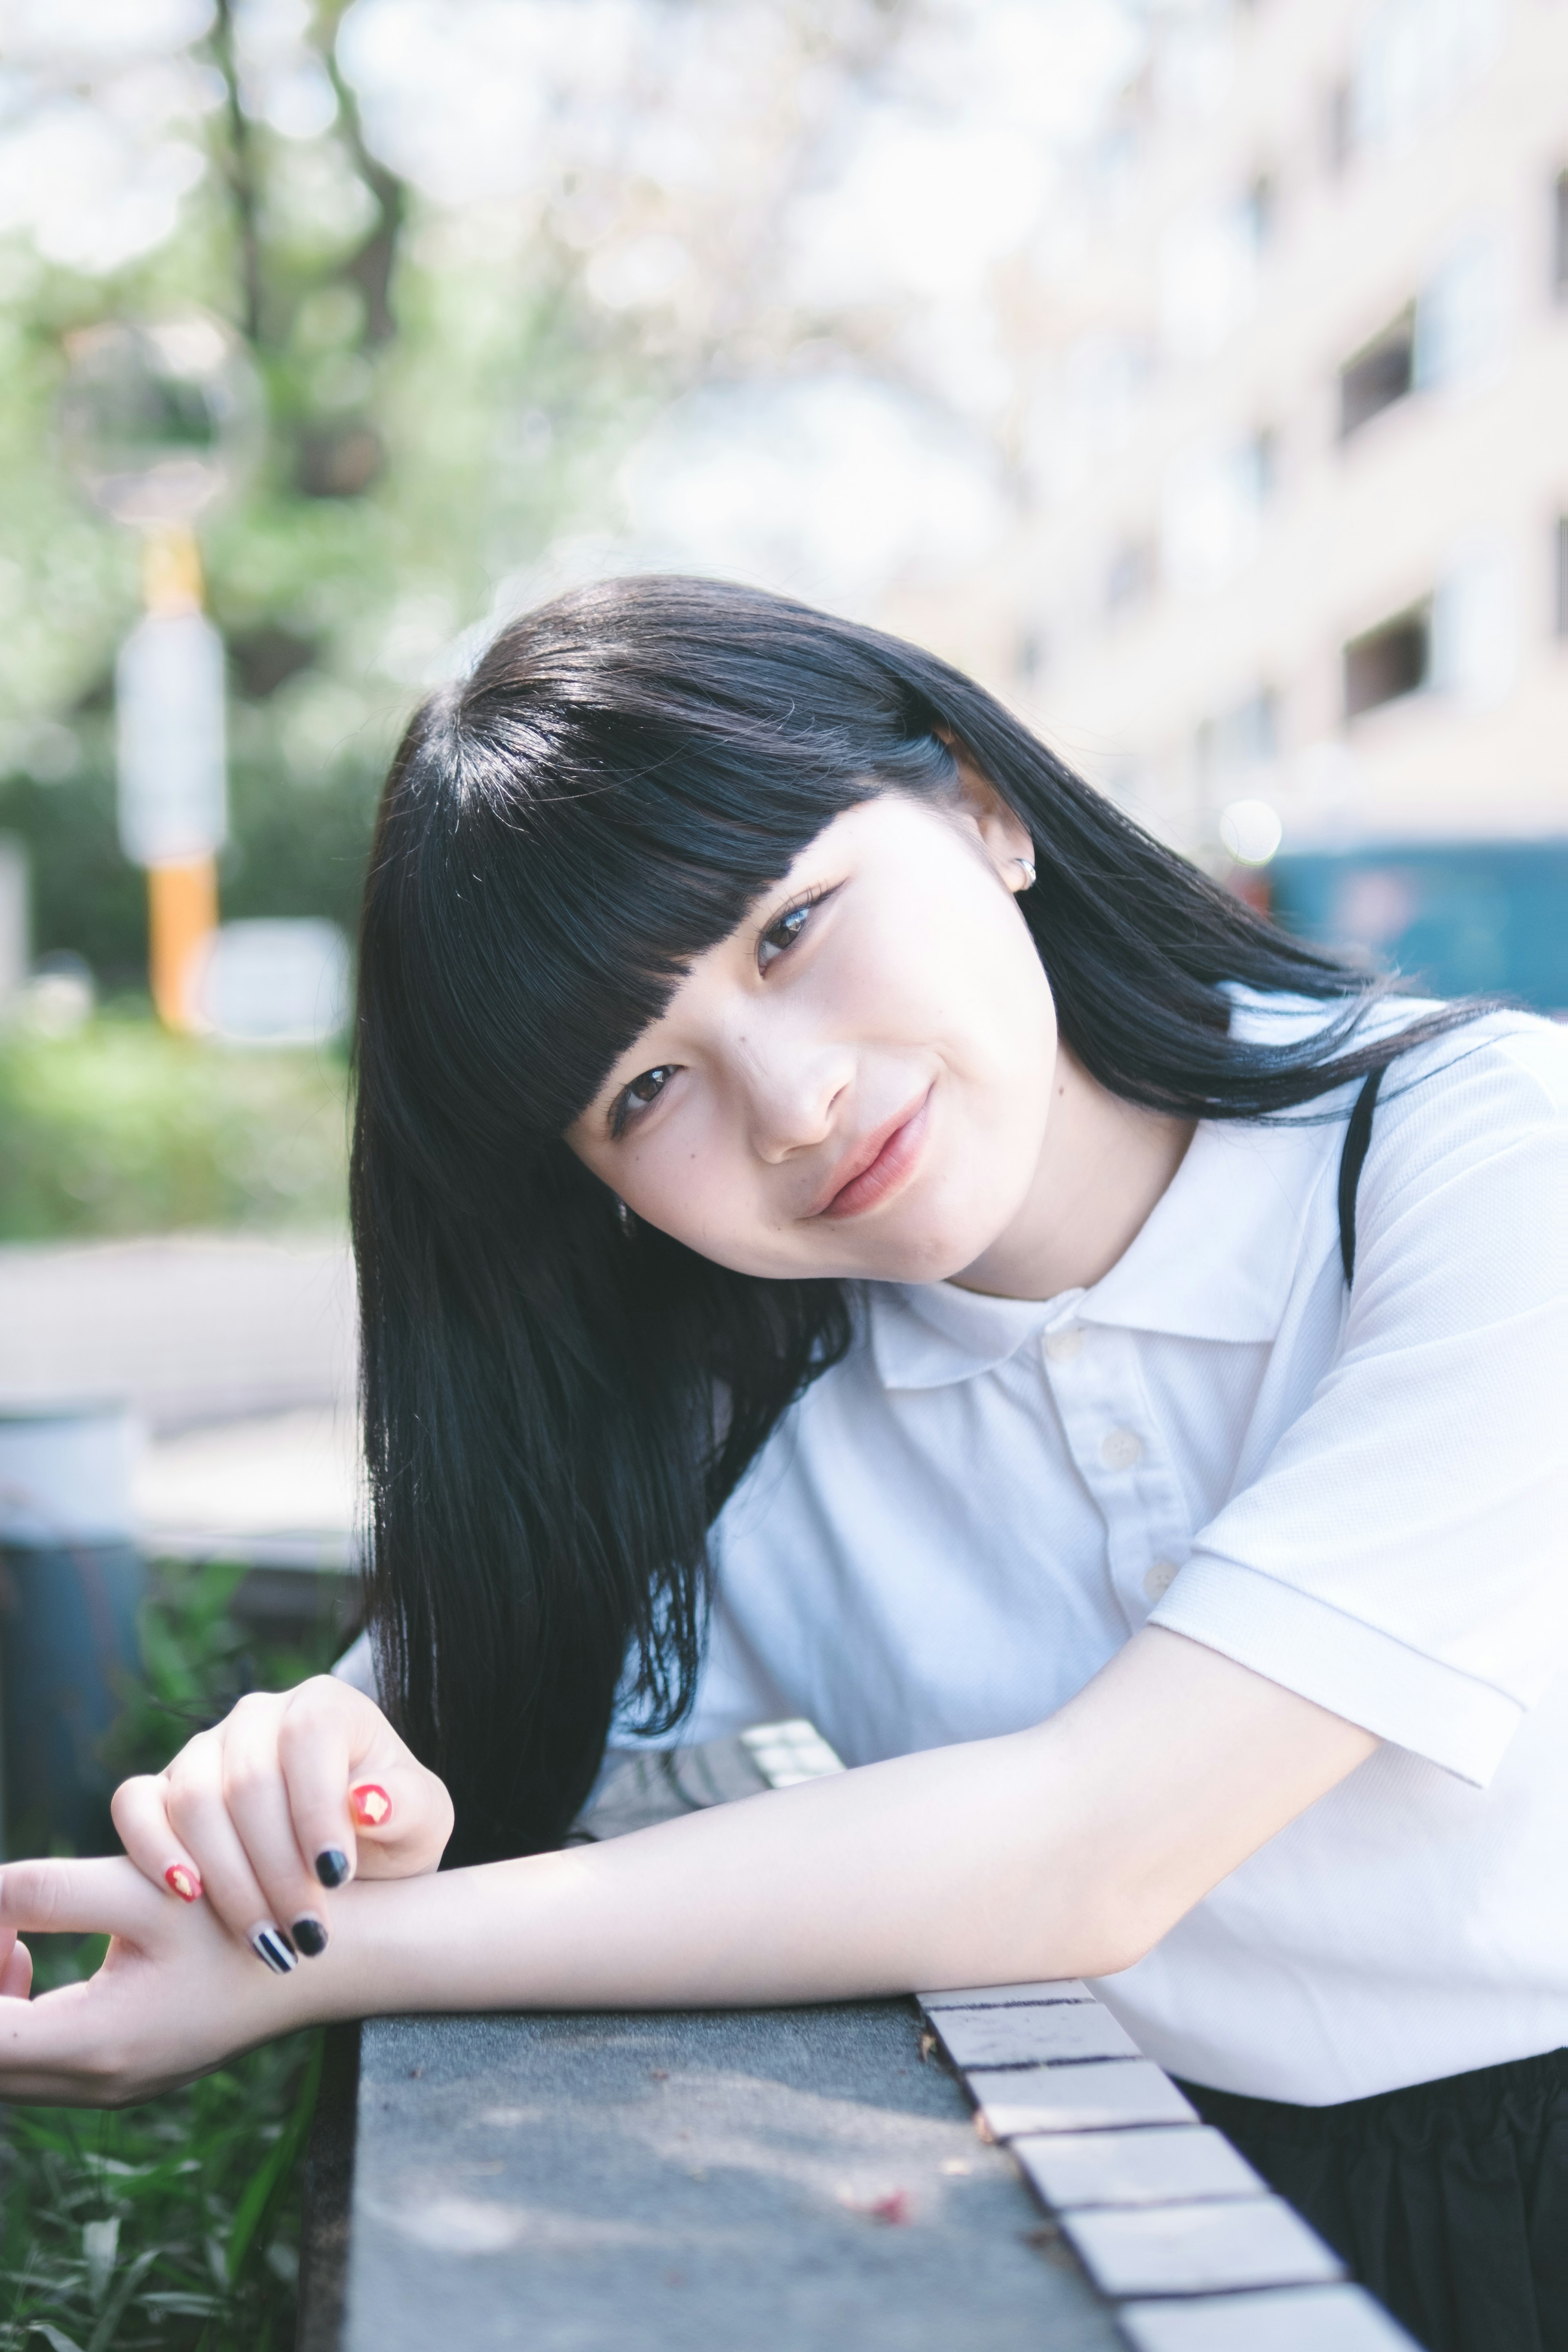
[1450, 2200]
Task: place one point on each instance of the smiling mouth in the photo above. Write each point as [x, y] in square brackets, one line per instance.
[887, 1158]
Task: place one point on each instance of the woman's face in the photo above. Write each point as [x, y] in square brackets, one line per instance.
[858, 1081]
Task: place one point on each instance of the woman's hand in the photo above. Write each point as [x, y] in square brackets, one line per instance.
[175, 1994]
[289, 1794]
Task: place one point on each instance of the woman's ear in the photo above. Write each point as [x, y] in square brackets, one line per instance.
[1003, 835]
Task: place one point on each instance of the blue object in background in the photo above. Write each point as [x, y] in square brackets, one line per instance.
[1462, 917]
[67, 1636]
[72, 1580]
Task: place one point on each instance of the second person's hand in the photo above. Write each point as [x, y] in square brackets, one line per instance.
[292, 1794]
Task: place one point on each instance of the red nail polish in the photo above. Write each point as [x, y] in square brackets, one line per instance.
[183, 1881]
[370, 1806]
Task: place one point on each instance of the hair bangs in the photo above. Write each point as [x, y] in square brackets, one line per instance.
[573, 827]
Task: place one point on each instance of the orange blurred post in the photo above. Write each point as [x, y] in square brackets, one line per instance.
[182, 915]
[171, 569]
[182, 899]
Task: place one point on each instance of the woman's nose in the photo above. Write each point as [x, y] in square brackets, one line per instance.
[792, 1098]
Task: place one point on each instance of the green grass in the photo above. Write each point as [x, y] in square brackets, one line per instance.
[123, 1128]
[163, 2227]
[172, 2226]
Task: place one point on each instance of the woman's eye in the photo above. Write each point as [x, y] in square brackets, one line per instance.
[783, 934]
[651, 1085]
[634, 1099]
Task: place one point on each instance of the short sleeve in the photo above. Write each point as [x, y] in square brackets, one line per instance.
[1401, 1558]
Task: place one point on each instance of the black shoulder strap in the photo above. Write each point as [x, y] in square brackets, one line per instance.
[1358, 1135]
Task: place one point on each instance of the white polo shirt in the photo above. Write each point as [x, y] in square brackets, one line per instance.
[958, 1526]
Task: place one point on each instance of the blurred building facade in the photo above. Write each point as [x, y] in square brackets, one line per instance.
[1303, 447]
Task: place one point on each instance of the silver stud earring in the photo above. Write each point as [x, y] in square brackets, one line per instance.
[1028, 866]
[623, 1217]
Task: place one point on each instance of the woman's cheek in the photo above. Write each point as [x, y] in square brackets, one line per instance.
[672, 1191]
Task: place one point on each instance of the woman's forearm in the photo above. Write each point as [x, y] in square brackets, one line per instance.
[1066, 1850]
[1063, 1851]
[872, 1882]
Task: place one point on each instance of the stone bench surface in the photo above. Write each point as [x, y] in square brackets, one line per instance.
[786, 2178]
[793, 2180]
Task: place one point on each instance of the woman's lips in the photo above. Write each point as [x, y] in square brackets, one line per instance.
[893, 1152]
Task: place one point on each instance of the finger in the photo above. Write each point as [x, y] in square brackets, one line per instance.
[103, 1897]
[372, 1807]
[140, 1810]
[16, 1967]
[322, 1736]
[199, 1813]
[259, 1806]
[406, 1814]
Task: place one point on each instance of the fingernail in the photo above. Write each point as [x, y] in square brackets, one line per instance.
[332, 1865]
[372, 1806]
[310, 1936]
[183, 1881]
[271, 1944]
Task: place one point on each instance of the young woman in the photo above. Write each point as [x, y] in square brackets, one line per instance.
[849, 1226]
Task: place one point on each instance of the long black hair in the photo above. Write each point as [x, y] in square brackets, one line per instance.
[554, 1414]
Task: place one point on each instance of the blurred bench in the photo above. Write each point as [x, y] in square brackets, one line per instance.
[996, 2167]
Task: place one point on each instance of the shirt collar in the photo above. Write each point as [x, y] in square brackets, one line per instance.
[1215, 1260]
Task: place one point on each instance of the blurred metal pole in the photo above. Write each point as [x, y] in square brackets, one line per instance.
[159, 421]
[172, 817]
[15, 952]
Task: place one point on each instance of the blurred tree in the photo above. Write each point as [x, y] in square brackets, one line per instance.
[776, 253]
[394, 457]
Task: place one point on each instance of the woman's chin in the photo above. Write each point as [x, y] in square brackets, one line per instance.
[915, 1248]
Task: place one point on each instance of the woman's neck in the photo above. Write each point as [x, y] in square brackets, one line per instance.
[1103, 1166]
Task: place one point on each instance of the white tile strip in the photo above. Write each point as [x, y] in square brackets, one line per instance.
[1076, 2098]
[1068, 2171]
[1033, 2037]
[1209, 2249]
[1016, 1996]
[1170, 2222]
[1302, 2319]
[788, 1753]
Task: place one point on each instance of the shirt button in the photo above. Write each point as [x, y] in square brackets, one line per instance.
[1121, 1448]
[1159, 1578]
[1061, 1346]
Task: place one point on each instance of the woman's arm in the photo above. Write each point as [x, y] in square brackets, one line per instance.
[1066, 1850]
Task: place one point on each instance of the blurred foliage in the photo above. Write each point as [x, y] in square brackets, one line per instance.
[123, 1128]
[434, 414]
[200, 1653]
[172, 2226]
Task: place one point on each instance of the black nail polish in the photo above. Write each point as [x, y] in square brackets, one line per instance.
[310, 1936]
[331, 1866]
[271, 1944]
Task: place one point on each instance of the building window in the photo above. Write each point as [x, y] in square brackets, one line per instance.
[1381, 372]
[1389, 662]
[1130, 576]
[1239, 741]
[1560, 568]
[1209, 260]
[1213, 505]
[1260, 211]
[1560, 237]
[1415, 63]
[1462, 313]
